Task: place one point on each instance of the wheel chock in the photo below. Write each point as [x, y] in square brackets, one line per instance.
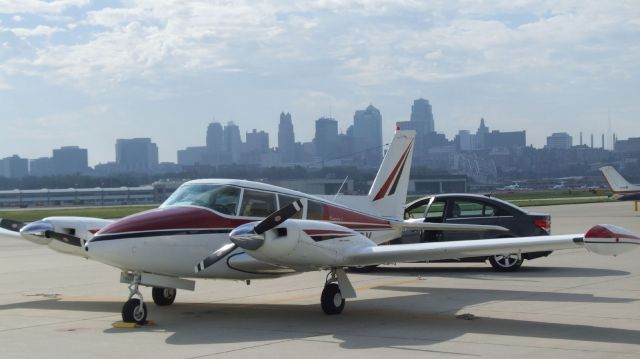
[125, 325]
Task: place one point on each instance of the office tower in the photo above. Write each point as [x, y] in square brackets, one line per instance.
[42, 166]
[215, 137]
[421, 112]
[257, 142]
[560, 140]
[136, 155]
[286, 138]
[69, 160]
[367, 136]
[14, 167]
[326, 137]
[232, 141]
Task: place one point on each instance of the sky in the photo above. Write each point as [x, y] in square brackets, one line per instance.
[82, 72]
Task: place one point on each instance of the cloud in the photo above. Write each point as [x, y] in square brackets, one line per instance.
[40, 30]
[38, 6]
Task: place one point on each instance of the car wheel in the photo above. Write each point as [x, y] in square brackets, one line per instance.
[506, 262]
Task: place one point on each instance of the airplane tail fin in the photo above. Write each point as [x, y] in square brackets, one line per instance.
[616, 181]
[388, 193]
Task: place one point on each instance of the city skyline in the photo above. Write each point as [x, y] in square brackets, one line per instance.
[82, 73]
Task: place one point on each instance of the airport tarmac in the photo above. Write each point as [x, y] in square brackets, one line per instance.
[571, 304]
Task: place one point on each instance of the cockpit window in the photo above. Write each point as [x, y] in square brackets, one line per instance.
[220, 198]
[257, 204]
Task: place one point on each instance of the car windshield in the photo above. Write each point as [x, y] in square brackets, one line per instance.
[220, 198]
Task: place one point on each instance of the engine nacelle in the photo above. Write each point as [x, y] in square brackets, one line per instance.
[307, 244]
[607, 239]
[82, 227]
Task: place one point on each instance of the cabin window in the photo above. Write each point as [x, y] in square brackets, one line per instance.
[286, 200]
[223, 199]
[315, 210]
[257, 204]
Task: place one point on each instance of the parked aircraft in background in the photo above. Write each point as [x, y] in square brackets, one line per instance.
[621, 188]
[217, 229]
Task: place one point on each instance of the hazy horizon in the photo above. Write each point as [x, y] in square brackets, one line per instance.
[79, 72]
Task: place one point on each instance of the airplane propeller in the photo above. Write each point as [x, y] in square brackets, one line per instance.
[11, 225]
[40, 229]
[250, 235]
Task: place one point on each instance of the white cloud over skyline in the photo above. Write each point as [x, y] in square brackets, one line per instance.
[164, 69]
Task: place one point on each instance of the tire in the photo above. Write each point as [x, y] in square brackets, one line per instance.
[163, 296]
[134, 312]
[508, 263]
[363, 269]
[331, 299]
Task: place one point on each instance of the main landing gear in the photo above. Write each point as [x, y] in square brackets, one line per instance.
[163, 296]
[336, 288]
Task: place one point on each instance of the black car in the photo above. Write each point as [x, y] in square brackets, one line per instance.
[477, 209]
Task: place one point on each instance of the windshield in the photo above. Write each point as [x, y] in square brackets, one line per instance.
[220, 198]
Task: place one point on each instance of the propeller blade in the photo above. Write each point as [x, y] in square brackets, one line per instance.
[215, 257]
[46, 229]
[278, 217]
[11, 225]
[64, 238]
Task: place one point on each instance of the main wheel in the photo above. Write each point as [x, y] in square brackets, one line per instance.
[163, 296]
[133, 311]
[331, 299]
[506, 262]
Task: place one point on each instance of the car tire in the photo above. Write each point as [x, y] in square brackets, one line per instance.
[506, 263]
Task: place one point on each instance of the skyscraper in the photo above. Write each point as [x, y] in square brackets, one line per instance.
[14, 167]
[286, 138]
[367, 136]
[136, 155]
[215, 137]
[232, 141]
[69, 160]
[326, 137]
[257, 142]
[421, 112]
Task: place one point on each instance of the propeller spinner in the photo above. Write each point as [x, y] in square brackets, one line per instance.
[250, 236]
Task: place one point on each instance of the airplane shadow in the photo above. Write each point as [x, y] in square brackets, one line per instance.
[426, 316]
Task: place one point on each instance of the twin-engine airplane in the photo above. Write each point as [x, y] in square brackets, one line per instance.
[231, 229]
[621, 188]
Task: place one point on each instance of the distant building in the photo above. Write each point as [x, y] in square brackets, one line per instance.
[631, 145]
[215, 137]
[257, 142]
[69, 160]
[367, 136]
[193, 156]
[42, 166]
[286, 138]
[232, 141]
[561, 140]
[497, 139]
[138, 155]
[326, 138]
[14, 167]
[421, 112]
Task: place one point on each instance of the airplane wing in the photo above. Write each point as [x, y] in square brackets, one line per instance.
[419, 223]
[9, 234]
[459, 249]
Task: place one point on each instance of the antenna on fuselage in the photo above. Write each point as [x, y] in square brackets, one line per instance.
[340, 189]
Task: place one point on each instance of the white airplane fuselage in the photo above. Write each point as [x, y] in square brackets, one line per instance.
[170, 240]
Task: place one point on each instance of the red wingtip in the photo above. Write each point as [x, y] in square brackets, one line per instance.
[609, 231]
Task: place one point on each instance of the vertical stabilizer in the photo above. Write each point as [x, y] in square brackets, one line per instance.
[388, 192]
[618, 183]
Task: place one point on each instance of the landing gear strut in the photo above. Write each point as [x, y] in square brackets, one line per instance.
[134, 310]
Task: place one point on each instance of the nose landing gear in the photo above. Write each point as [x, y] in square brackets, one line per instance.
[134, 310]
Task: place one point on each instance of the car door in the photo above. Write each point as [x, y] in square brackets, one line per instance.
[469, 211]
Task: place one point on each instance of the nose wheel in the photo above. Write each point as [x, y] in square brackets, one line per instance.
[134, 310]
